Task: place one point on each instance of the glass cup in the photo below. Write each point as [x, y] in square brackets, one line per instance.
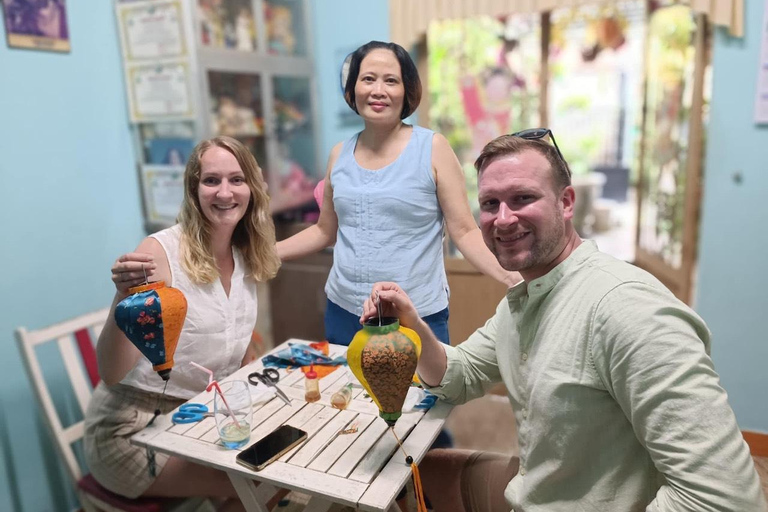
[234, 434]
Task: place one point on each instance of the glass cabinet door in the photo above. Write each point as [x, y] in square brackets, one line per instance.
[285, 24]
[237, 110]
[168, 143]
[227, 24]
[296, 169]
[165, 149]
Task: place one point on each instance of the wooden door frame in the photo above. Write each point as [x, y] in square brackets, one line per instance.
[546, 32]
[422, 66]
[679, 280]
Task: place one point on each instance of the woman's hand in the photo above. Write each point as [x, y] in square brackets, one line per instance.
[393, 301]
[512, 278]
[252, 350]
[132, 269]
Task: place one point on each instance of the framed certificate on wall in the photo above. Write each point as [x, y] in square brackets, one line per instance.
[152, 30]
[159, 91]
[163, 192]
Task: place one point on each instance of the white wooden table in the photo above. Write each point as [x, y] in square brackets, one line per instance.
[365, 470]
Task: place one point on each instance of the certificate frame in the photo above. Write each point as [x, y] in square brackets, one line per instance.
[163, 192]
[152, 30]
[159, 91]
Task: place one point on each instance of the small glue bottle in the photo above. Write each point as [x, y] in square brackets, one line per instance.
[341, 398]
[311, 385]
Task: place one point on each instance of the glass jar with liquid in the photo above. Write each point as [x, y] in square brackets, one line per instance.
[311, 385]
[341, 398]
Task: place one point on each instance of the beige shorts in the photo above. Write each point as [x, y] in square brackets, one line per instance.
[484, 477]
[115, 414]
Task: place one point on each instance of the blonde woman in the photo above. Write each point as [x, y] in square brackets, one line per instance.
[223, 244]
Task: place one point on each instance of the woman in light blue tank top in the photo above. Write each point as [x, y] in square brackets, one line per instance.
[388, 192]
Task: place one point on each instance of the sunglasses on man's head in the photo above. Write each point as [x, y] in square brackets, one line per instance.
[540, 133]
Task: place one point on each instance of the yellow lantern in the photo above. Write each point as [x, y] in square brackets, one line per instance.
[383, 356]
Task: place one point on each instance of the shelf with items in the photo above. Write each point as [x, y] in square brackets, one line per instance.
[245, 69]
[229, 24]
[284, 20]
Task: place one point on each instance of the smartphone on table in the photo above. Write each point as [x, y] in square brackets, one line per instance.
[271, 447]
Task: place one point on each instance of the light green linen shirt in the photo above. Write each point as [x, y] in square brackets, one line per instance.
[617, 404]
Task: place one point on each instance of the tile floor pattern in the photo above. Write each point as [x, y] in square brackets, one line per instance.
[475, 426]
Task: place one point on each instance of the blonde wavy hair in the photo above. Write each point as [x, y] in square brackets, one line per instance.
[254, 235]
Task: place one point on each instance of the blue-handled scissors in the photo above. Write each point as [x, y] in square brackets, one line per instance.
[269, 377]
[427, 402]
[191, 413]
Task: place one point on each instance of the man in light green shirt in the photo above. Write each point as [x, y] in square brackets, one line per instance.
[617, 404]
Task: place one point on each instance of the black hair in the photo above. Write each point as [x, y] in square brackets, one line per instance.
[410, 75]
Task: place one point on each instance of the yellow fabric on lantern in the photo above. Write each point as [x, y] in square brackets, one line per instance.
[383, 356]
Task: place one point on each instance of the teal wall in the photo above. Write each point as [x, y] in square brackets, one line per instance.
[340, 26]
[70, 205]
[732, 293]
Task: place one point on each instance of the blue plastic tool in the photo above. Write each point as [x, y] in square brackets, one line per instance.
[191, 413]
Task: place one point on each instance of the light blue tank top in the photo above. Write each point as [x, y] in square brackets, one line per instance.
[390, 228]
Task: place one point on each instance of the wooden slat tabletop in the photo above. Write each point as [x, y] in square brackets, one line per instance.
[357, 469]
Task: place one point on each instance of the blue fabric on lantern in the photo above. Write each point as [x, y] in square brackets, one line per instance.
[139, 317]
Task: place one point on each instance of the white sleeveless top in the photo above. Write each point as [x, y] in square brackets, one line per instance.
[216, 331]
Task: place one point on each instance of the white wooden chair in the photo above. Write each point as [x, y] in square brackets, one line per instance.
[73, 336]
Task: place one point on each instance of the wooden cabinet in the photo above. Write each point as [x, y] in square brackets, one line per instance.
[297, 298]
[297, 294]
[474, 297]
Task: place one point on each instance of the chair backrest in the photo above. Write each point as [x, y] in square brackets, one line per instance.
[71, 336]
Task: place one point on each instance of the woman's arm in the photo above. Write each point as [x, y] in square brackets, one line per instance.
[452, 195]
[323, 233]
[115, 353]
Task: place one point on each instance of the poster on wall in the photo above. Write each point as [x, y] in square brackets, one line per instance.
[37, 25]
[152, 31]
[761, 101]
[159, 91]
[164, 192]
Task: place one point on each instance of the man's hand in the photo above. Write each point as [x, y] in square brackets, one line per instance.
[393, 301]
